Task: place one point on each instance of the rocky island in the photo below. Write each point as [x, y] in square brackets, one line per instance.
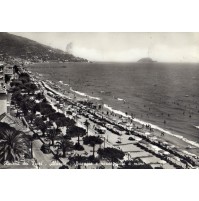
[146, 60]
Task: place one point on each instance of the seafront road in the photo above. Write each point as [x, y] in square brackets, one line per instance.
[44, 161]
[129, 147]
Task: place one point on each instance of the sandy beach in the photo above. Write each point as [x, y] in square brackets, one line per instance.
[117, 116]
[179, 143]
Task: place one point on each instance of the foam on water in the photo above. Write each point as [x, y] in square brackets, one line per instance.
[141, 122]
[84, 94]
[120, 99]
[152, 126]
[116, 111]
[196, 127]
[60, 94]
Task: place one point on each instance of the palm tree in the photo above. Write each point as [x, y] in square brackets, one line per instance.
[87, 124]
[30, 139]
[23, 106]
[111, 154]
[30, 87]
[69, 123]
[76, 131]
[13, 145]
[92, 140]
[30, 117]
[17, 97]
[77, 159]
[65, 145]
[52, 135]
[41, 125]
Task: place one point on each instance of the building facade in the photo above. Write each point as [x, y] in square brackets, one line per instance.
[3, 92]
[8, 71]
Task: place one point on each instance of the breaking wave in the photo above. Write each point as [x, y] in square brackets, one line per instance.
[152, 126]
[84, 94]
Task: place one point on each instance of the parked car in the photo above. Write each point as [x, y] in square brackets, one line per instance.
[118, 140]
[130, 138]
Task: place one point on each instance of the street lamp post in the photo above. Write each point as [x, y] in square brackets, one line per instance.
[129, 156]
[31, 148]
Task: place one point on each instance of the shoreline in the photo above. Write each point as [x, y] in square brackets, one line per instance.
[172, 139]
[139, 121]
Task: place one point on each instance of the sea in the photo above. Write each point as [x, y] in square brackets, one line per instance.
[166, 95]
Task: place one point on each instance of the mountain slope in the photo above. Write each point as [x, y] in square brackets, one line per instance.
[12, 46]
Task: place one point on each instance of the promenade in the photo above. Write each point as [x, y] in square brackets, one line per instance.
[110, 139]
[121, 132]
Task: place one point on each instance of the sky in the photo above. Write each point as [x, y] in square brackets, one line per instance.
[124, 46]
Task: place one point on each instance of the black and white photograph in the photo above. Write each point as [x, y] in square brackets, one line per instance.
[99, 100]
